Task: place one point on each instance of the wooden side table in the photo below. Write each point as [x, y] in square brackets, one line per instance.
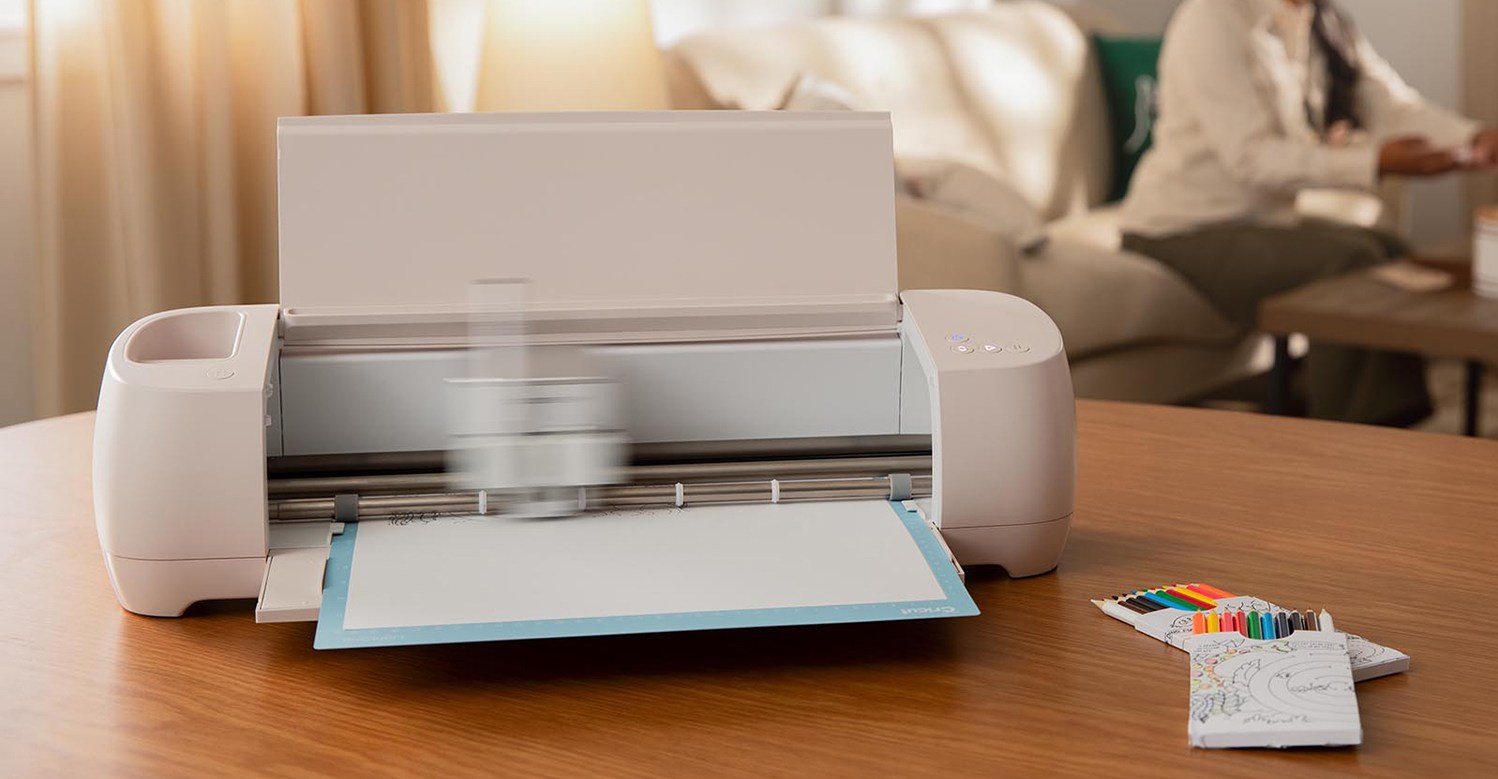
[1358, 310]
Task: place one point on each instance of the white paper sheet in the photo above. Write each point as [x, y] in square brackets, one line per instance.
[454, 571]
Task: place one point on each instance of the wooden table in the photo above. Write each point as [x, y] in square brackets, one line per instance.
[1358, 310]
[1390, 530]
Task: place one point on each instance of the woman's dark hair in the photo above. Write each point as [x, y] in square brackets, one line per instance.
[1333, 31]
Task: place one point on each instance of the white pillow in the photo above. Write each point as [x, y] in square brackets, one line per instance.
[968, 189]
[940, 181]
[810, 92]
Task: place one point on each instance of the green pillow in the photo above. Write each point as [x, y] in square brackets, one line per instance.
[1131, 77]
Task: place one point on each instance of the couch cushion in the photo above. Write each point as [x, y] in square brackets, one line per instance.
[1012, 90]
[943, 248]
[885, 63]
[977, 194]
[1103, 298]
[1099, 228]
[1030, 77]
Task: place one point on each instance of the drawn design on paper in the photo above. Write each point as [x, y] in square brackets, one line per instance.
[1364, 652]
[1275, 682]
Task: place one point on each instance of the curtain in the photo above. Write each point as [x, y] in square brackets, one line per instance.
[155, 151]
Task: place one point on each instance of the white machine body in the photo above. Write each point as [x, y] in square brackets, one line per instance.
[734, 271]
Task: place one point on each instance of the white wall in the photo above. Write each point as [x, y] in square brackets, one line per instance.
[16, 400]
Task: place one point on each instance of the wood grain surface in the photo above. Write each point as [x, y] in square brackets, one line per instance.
[1389, 530]
[1357, 309]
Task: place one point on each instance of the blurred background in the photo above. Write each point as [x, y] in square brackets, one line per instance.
[137, 142]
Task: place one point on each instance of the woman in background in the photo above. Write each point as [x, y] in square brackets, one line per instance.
[1260, 99]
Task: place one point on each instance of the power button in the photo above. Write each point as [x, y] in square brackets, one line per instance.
[219, 373]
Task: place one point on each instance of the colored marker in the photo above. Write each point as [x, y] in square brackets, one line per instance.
[1208, 590]
[1268, 631]
[1325, 621]
[1198, 623]
[1253, 624]
[1214, 622]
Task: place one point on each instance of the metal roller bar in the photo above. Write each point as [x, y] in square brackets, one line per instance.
[780, 449]
[395, 483]
[375, 506]
[766, 469]
[373, 484]
[640, 453]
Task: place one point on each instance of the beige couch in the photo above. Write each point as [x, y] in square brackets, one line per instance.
[1012, 92]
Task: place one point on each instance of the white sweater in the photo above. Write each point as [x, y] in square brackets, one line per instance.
[1233, 141]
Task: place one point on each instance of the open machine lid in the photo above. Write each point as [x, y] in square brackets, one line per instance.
[628, 226]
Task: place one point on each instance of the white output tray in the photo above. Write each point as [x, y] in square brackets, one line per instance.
[458, 579]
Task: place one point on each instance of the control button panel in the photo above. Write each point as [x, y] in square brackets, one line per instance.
[961, 343]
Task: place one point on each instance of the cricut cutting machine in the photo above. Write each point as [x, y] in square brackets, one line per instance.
[731, 274]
